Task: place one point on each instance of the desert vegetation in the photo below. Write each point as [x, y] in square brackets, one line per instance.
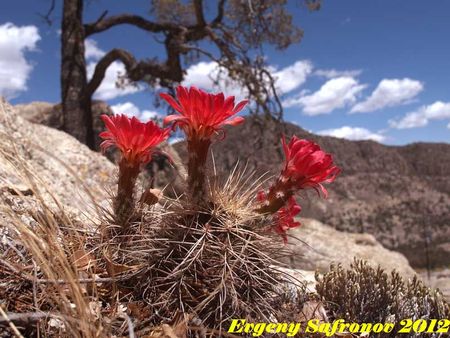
[196, 261]
[363, 294]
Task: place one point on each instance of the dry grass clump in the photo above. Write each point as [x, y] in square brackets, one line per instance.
[49, 282]
[55, 292]
[39, 263]
[363, 294]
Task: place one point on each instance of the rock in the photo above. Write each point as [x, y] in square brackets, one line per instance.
[315, 245]
[438, 279]
[307, 278]
[50, 114]
[61, 167]
[39, 112]
[167, 171]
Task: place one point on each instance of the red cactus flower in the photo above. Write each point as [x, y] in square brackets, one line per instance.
[285, 218]
[135, 139]
[202, 114]
[307, 165]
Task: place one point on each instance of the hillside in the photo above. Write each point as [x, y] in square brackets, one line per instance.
[401, 195]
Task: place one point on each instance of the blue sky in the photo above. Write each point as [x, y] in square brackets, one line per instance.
[375, 70]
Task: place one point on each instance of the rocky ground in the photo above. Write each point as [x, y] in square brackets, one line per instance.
[315, 246]
[50, 114]
[62, 166]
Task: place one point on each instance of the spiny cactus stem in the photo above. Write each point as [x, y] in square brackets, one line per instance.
[198, 153]
[279, 194]
[124, 203]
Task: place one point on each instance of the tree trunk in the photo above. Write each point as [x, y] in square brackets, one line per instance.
[76, 103]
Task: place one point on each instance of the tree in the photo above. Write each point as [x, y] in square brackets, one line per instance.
[237, 32]
[75, 98]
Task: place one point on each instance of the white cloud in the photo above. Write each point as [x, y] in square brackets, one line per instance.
[437, 111]
[389, 93]
[293, 76]
[410, 120]
[14, 68]
[130, 109]
[203, 75]
[148, 115]
[109, 89]
[335, 93]
[127, 108]
[448, 126]
[92, 51]
[353, 133]
[332, 73]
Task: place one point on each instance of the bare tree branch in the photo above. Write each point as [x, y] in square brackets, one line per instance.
[128, 19]
[198, 7]
[26, 318]
[101, 17]
[220, 12]
[136, 70]
[47, 17]
[100, 69]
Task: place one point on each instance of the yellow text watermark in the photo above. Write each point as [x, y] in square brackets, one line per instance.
[338, 326]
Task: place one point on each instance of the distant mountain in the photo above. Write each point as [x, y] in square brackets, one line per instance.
[401, 195]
